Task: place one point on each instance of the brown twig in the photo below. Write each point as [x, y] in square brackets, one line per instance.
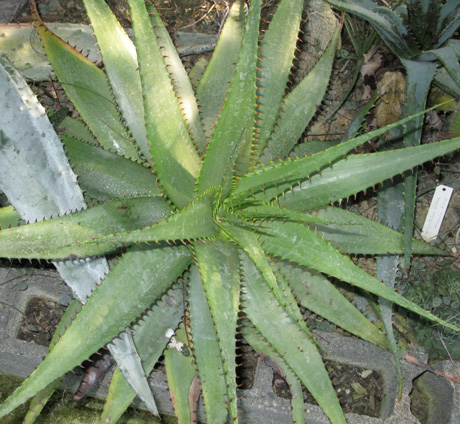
[412, 360]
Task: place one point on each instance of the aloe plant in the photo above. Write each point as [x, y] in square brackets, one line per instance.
[226, 236]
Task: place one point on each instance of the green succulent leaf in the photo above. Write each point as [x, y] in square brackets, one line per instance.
[104, 175]
[448, 21]
[119, 397]
[86, 85]
[41, 398]
[57, 238]
[8, 217]
[193, 222]
[182, 86]
[154, 270]
[363, 171]
[297, 243]
[246, 222]
[150, 339]
[182, 377]
[107, 227]
[175, 159]
[419, 78]
[261, 346]
[278, 328]
[274, 179]
[247, 240]
[448, 57]
[120, 64]
[300, 105]
[275, 67]
[218, 264]
[213, 87]
[355, 234]
[316, 293]
[229, 148]
[385, 21]
[207, 353]
[76, 129]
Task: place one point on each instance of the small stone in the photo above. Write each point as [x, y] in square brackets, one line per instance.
[366, 373]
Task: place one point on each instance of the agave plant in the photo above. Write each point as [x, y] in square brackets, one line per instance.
[227, 235]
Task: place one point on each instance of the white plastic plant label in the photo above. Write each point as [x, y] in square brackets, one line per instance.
[436, 213]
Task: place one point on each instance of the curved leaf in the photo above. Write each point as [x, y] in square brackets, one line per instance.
[275, 179]
[232, 138]
[215, 81]
[385, 21]
[359, 172]
[207, 353]
[120, 64]
[175, 159]
[86, 86]
[284, 334]
[297, 243]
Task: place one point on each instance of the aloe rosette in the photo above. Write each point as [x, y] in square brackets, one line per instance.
[224, 237]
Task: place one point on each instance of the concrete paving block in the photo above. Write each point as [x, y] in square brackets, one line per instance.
[10, 8]
[258, 404]
[443, 395]
[18, 357]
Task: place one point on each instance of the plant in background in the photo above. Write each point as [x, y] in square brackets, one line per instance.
[440, 293]
[420, 33]
[223, 238]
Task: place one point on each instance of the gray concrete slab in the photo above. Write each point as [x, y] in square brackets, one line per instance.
[9, 9]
